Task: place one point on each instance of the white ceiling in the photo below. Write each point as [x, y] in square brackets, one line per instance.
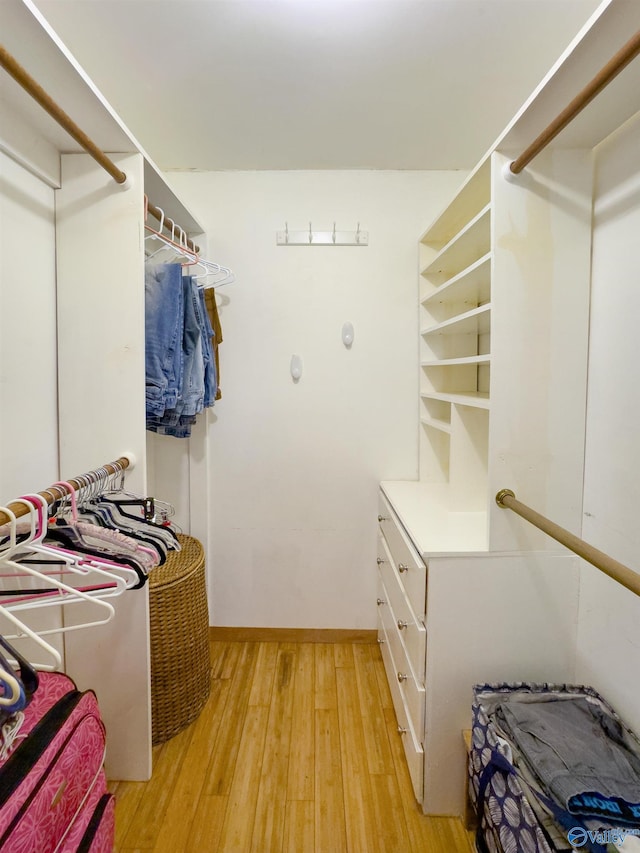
[316, 84]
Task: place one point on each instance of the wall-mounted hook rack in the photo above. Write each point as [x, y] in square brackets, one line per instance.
[321, 238]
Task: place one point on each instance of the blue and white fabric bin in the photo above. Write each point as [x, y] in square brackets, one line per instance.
[552, 767]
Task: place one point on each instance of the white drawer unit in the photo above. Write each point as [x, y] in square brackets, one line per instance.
[411, 689]
[411, 630]
[402, 585]
[411, 743]
[486, 619]
[408, 564]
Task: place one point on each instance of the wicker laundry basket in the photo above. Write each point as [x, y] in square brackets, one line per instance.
[179, 628]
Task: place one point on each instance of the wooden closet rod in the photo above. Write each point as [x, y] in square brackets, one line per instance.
[618, 571]
[12, 67]
[21, 76]
[602, 79]
[19, 509]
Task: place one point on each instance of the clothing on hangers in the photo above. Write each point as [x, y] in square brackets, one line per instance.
[134, 525]
[181, 369]
[216, 340]
[164, 322]
[211, 379]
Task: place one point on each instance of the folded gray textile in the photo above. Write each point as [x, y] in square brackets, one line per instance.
[581, 755]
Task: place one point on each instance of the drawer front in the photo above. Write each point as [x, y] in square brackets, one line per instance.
[413, 751]
[411, 629]
[413, 693]
[411, 569]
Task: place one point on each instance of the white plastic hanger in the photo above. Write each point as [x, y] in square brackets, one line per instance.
[215, 275]
[67, 594]
[109, 571]
[178, 244]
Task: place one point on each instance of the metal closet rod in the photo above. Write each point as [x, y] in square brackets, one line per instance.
[24, 79]
[618, 571]
[19, 509]
[616, 64]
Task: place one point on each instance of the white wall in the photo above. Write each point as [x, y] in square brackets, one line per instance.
[28, 386]
[609, 627]
[295, 466]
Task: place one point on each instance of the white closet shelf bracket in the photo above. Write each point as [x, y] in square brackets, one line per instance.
[309, 237]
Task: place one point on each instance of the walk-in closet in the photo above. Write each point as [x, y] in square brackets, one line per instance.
[318, 467]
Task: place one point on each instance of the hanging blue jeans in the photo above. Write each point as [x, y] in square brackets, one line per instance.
[177, 420]
[191, 400]
[164, 322]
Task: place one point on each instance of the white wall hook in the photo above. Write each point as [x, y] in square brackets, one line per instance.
[296, 367]
[347, 334]
[321, 238]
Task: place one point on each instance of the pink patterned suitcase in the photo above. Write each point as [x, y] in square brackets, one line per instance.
[94, 830]
[52, 785]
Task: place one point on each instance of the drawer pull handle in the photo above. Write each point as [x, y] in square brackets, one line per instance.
[380, 601]
[381, 641]
[382, 518]
[402, 676]
[402, 568]
[380, 561]
[402, 625]
[401, 730]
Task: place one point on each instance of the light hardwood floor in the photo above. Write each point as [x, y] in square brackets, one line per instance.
[296, 751]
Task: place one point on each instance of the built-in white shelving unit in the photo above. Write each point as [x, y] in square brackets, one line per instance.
[455, 333]
[505, 277]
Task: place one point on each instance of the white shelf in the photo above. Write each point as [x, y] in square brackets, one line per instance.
[449, 362]
[443, 426]
[432, 524]
[472, 284]
[470, 199]
[472, 242]
[476, 399]
[476, 321]
[449, 503]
